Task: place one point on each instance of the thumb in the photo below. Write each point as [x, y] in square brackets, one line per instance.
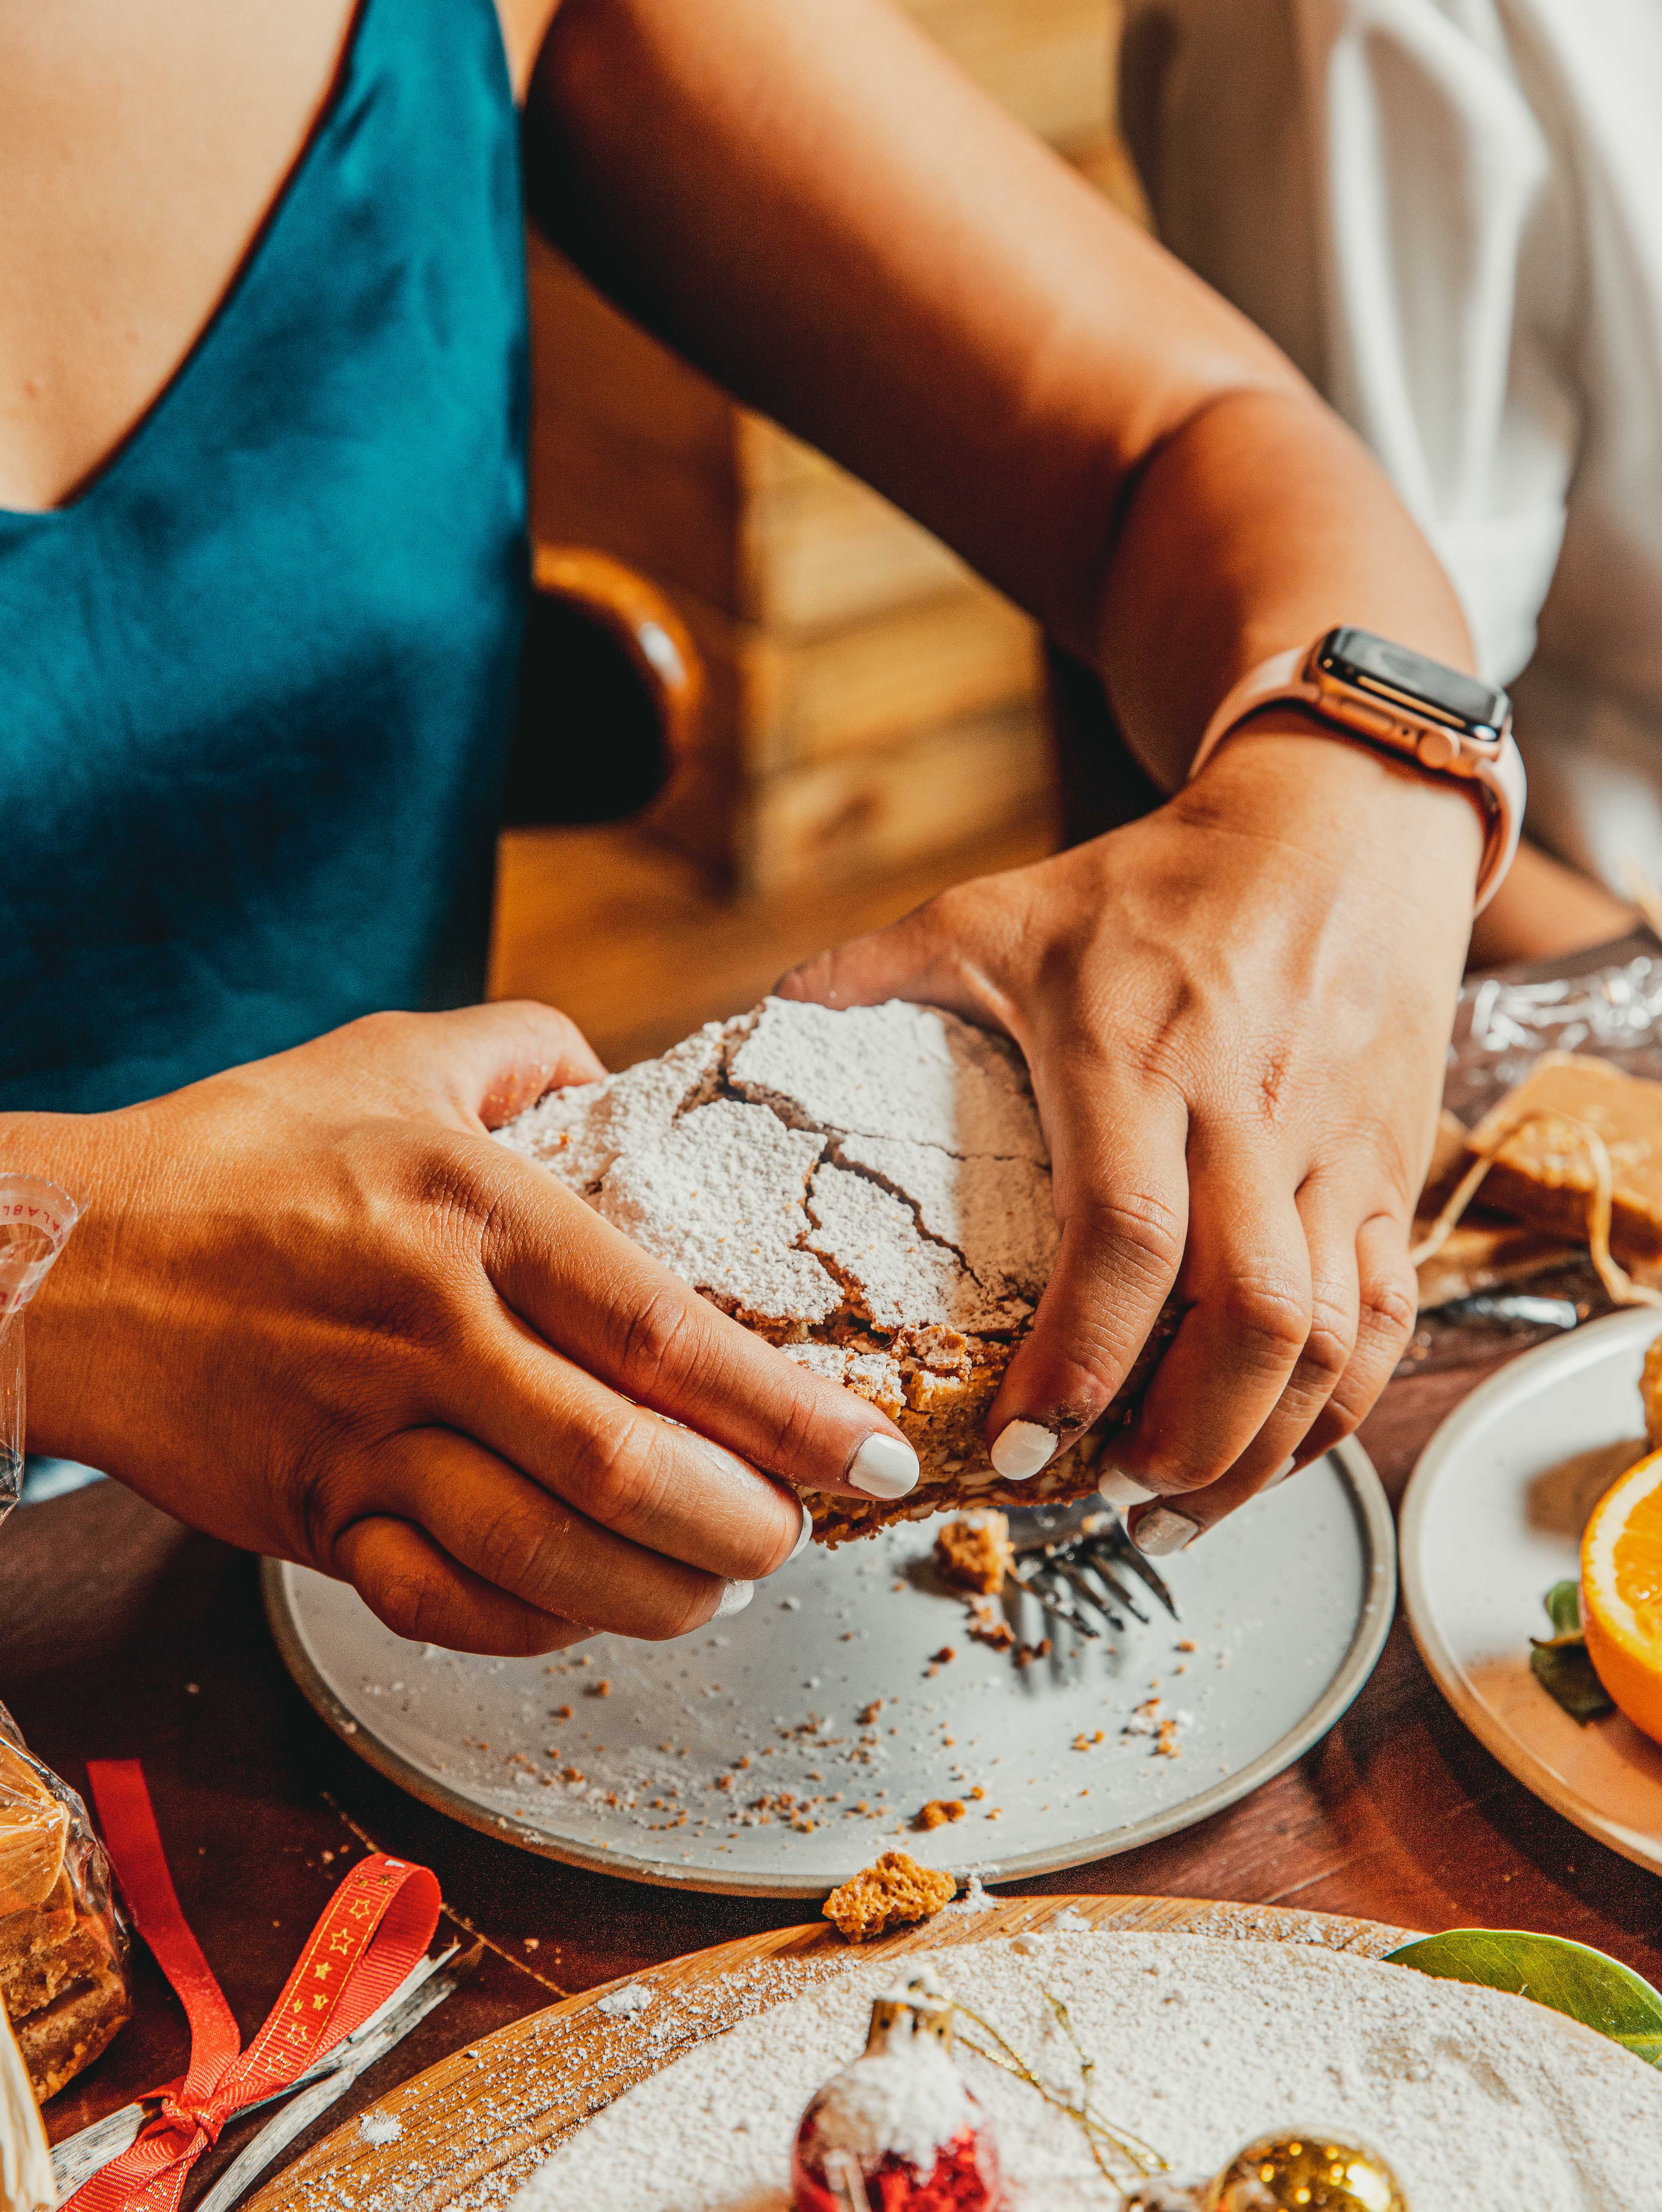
[472, 1070]
[496, 1061]
[917, 957]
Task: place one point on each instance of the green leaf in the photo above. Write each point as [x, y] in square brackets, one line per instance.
[1564, 1670]
[1571, 1978]
[1564, 1609]
[1559, 1663]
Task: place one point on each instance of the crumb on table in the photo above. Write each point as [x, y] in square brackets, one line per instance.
[890, 1894]
[974, 1551]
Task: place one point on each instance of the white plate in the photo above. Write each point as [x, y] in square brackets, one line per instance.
[1492, 1519]
[1288, 1607]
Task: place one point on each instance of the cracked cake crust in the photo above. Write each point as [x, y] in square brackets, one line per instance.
[867, 1189]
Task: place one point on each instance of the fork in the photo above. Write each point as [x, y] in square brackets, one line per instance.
[1066, 1563]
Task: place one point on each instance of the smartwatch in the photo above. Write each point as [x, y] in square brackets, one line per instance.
[1363, 687]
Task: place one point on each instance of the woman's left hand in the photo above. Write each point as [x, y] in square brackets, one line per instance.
[1236, 1012]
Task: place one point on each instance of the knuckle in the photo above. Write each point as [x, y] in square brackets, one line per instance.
[657, 1337]
[1328, 1347]
[1268, 1317]
[1390, 1307]
[517, 1550]
[795, 1433]
[619, 1468]
[1144, 1231]
[676, 1601]
[414, 1607]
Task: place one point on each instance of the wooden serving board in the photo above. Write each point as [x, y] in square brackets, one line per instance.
[476, 2124]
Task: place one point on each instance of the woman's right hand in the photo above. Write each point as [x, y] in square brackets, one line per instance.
[314, 1310]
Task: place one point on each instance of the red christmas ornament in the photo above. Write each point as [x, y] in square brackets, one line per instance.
[898, 2130]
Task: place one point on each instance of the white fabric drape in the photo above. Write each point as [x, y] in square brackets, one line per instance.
[1449, 213]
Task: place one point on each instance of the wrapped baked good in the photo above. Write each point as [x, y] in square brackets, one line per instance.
[63, 1950]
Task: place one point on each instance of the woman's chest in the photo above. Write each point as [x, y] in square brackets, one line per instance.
[143, 150]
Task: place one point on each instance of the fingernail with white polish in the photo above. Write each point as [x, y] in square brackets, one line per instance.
[1282, 1473]
[802, 1542]
[1163, 1532]
[1022, 1448]
[734, 1599]
[1122, 1490]
[885, 1466]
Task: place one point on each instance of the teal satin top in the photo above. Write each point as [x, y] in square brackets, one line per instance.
[257, 680]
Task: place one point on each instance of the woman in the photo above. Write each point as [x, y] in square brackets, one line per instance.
[260, 587]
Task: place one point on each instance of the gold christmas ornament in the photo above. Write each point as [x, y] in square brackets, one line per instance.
[1305, 2173]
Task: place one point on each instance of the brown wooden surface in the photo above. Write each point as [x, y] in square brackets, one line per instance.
[639, 946]
[499, 2107]
[122, 1633]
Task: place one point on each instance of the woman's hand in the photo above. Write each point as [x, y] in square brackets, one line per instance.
[1235, 1011]
[315, 1310]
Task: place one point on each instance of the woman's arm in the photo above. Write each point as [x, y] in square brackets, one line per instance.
[815, 205]
[1235, 1011]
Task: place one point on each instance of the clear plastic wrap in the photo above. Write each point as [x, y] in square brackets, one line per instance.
[36, 1218]
[62, 1949]
[1606, 1002]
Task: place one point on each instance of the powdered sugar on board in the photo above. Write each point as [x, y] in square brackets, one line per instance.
[1478, 2099]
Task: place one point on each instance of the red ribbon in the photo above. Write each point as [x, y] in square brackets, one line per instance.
[374, 1931]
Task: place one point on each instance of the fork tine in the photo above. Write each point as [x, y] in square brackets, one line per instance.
[1065, 1566]
[1056, 1603]
[1069, 1610]
[1089, 1556]
[1117, 1538]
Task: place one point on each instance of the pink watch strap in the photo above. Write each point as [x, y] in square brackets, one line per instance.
[1499, 783]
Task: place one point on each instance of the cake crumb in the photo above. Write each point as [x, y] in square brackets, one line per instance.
[939, 1812]
[890, 1894]
[974, 1551]
[988, 1626]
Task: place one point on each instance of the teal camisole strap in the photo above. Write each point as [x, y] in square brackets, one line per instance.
[256, 681]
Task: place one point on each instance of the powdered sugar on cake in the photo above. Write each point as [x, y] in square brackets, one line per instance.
[911, 1137]
[902, 1279]
[872, 1180]
[719, 1196]
[892, 1070]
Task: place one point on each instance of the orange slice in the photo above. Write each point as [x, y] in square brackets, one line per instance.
[1621, 1593]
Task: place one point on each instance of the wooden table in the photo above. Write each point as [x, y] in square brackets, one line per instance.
[122, 1633]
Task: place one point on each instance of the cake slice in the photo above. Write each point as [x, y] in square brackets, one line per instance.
[867, 1189]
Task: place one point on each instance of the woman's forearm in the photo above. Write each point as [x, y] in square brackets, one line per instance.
[1258, 524]
[814, 204]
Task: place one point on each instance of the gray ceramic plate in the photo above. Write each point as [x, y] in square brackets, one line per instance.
[1492, 1519]
[1286, 1608]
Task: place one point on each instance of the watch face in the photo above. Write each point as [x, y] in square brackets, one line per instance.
[1375, 664]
